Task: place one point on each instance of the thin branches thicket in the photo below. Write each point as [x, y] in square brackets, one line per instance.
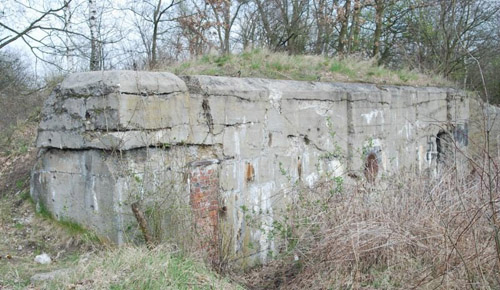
[411, 232]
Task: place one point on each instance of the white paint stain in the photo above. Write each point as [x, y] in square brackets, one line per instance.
[236, 139]
[275, 95]
[261, 198]
[311, 179]
[266, 193]
[372, 143]
[372, 115]
[385, 160]
[94, 195]
[237, 175]
[335, 167]
[240, 223]
[407, 130]
[420, 151]
[117, 206]
[275, 98]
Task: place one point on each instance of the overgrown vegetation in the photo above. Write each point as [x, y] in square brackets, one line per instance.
[83, 260]
[263, 63]
[17, 156]
[18, 96]
[412, 232]
[21, 98]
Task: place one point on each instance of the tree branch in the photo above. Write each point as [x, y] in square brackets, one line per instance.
[33, 25]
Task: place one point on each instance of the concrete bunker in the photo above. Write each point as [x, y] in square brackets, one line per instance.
[211, 150]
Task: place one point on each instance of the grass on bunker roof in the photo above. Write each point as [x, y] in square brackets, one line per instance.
[261, 63]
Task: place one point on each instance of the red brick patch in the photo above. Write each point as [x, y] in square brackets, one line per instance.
[204, 192]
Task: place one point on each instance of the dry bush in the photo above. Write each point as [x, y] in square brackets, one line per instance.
[16, 91]
[410, 231]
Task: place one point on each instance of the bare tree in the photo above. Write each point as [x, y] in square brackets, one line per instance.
[70, 37]
[285, 24]
[248, 23]
[150, 17]
[325, 21]
[224, 20]
[13, 34]
[439, 27]
[68, 26]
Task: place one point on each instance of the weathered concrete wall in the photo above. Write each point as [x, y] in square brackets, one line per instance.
[213, 148]
[484, 120]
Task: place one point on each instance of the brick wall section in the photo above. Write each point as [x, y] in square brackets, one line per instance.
[204, 192]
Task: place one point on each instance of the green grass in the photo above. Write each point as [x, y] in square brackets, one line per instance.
[71, 228]
[262, 63]
[140, 268]
[342, 68]
[20, 183]
[43, 212]
[75, 229]
[99, 267]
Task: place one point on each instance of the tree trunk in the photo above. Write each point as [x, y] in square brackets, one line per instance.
[70, 65]
[216, 7]
[320, 23]
[227, 26]
[344, 20]
[143, 224]
[355, 28]
[270, 35]
[94, 41]
[156, 21]
[379, 16]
